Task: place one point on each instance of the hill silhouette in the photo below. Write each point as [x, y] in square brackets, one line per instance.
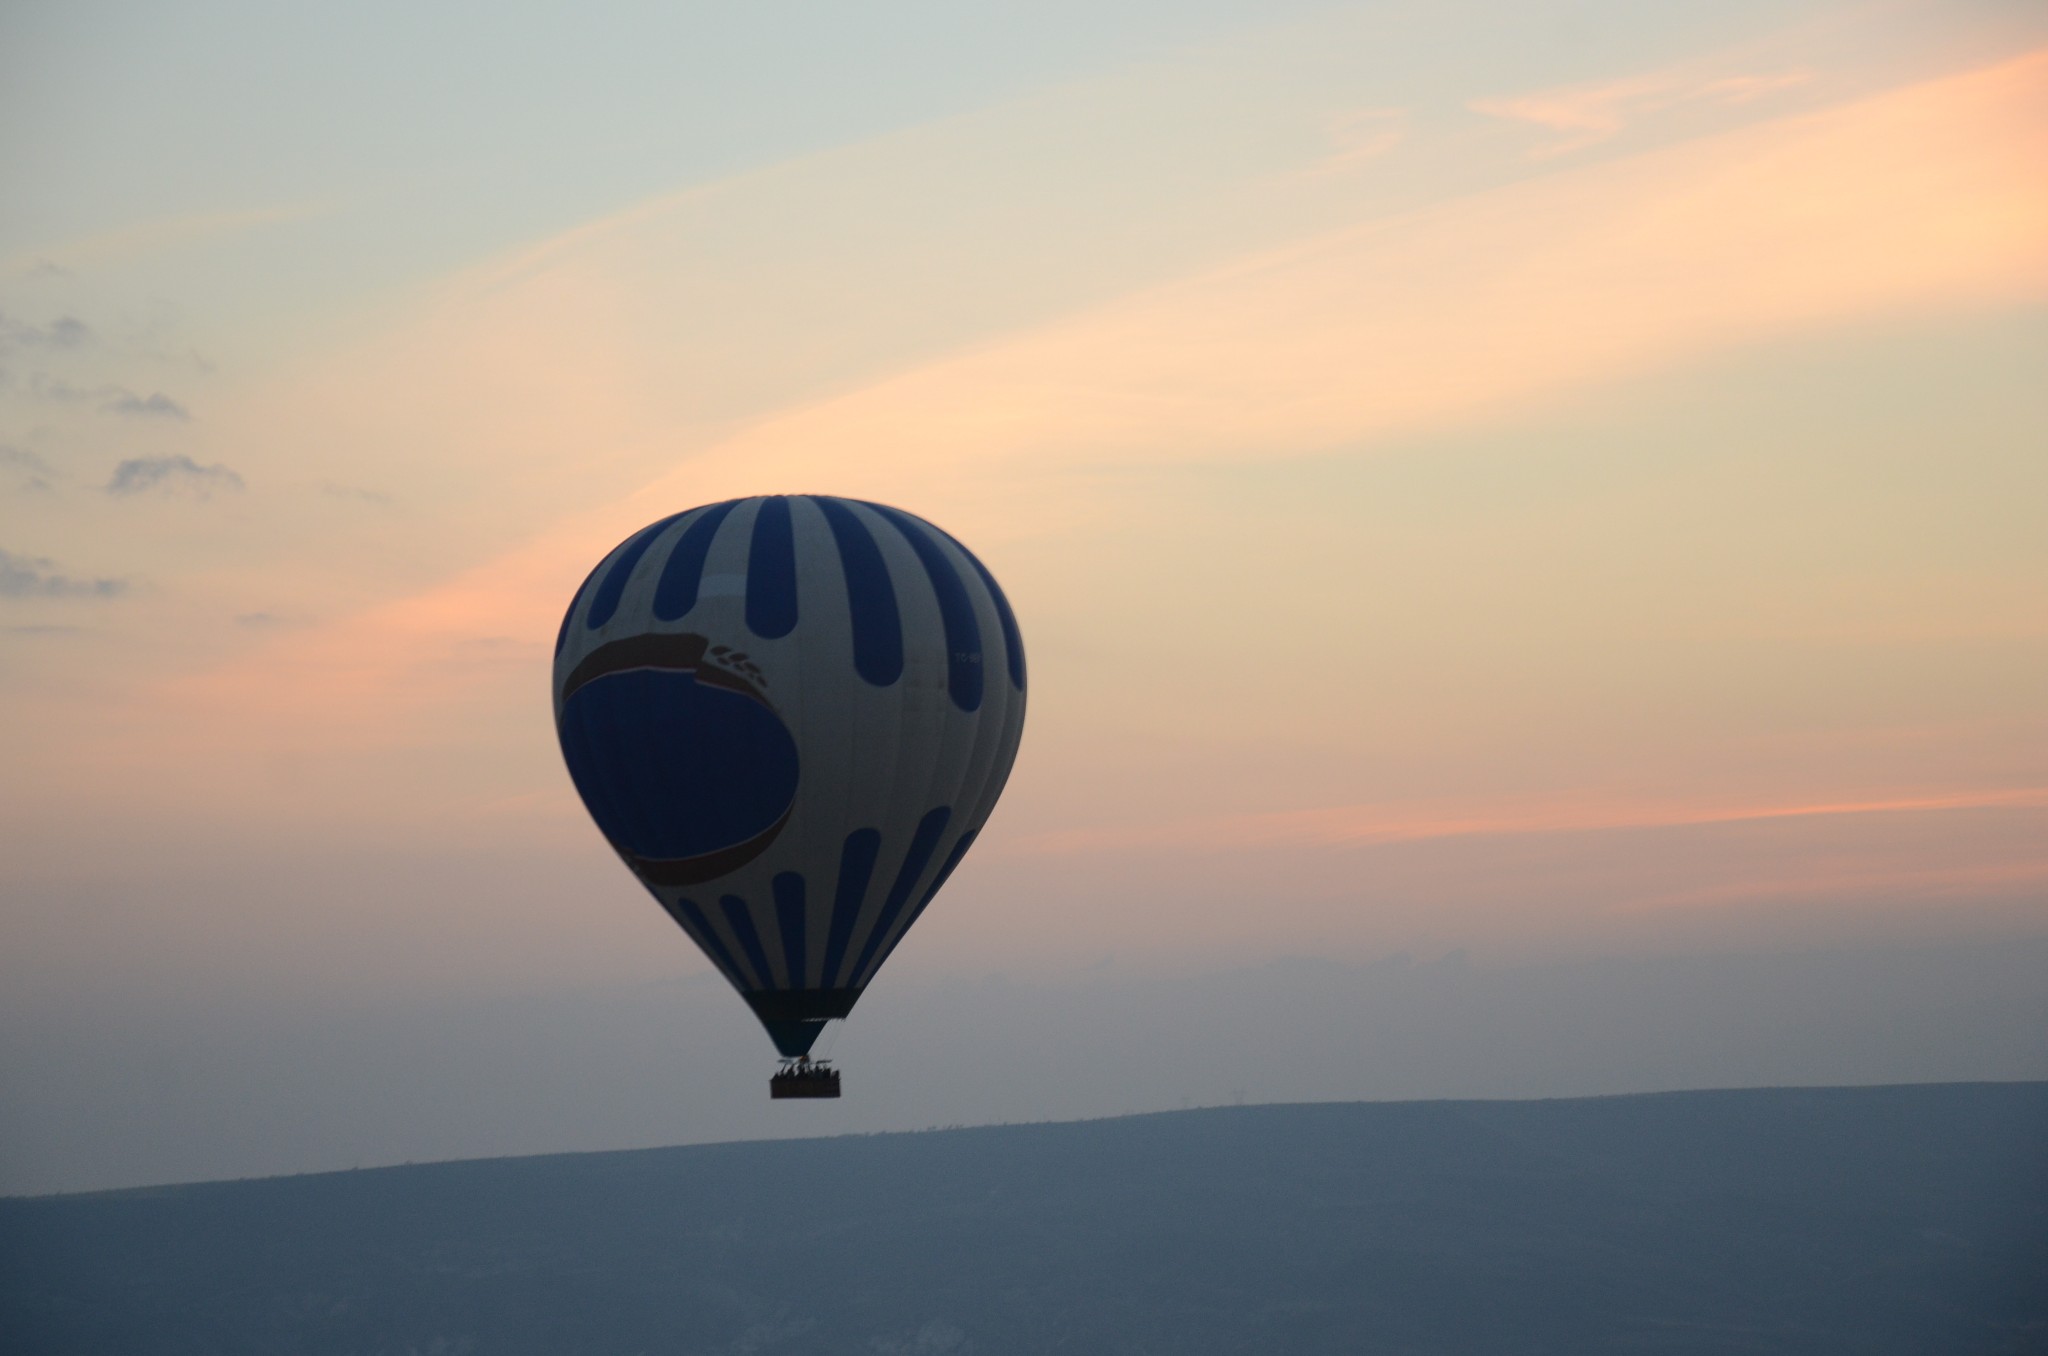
[1868, 1220]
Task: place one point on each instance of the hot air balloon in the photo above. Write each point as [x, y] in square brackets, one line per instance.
[790, 716]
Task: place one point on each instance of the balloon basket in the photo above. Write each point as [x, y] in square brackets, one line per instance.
[804, 1079]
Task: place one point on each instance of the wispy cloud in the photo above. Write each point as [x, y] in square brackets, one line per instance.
[1585, 115]
[155, 405]
[110, 399]
[38, 577]
[1368, 825]
[65, 332]
[30, 473]
[139, 475]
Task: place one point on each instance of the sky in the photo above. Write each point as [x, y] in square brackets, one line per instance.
[1526, 519]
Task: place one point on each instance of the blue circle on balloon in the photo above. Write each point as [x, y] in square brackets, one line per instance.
[674, 768]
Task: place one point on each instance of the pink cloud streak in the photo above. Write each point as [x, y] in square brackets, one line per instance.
[1363, 825]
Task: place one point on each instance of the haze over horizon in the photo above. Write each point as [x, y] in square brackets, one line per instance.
[1525, 518]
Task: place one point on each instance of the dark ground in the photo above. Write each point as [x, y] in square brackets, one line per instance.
[1866, 1220]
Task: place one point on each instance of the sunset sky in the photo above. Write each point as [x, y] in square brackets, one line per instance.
[1540, 485]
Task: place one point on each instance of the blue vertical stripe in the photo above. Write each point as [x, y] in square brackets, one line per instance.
[921, 844]
[870, 596]
[789, 916]
[856, 865]
[614, 586]
[750, 941]
[1013, 642]
[699, 927]
[965, 841]
[960, 846]
[676, 591]
[771, 571]
[956, 610]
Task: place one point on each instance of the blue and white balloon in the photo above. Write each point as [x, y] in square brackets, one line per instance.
[790, 716]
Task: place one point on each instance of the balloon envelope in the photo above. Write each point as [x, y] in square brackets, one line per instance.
[790, 716]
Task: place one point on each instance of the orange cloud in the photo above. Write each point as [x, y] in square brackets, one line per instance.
[1585, 115]
[1362, 825]
[1925, 197]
